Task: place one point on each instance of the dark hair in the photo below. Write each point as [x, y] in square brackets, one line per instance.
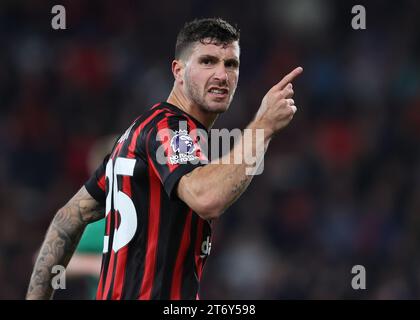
[216, 29]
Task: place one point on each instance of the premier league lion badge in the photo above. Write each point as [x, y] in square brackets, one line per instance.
[183, 146]
[182, 143]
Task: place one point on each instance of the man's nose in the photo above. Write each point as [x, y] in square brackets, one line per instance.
[221, 74]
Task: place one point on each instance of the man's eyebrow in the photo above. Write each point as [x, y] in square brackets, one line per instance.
[209, 56]
[233, 60]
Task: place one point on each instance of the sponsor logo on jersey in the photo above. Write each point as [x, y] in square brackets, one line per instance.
[205, 248]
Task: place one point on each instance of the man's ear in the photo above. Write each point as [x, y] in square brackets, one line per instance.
[178, 68]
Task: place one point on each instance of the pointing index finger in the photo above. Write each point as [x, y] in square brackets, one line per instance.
[288, 78]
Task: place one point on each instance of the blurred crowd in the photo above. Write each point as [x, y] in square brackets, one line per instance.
[341, 184]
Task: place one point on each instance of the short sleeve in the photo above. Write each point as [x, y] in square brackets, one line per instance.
[175, 147]
[96, 183]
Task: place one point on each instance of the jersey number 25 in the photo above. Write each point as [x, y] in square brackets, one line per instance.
[121, 203]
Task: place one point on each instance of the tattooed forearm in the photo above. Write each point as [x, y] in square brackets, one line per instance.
[57, 249]
[61, 240]
[239, 187]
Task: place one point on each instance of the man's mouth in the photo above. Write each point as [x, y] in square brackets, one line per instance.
[218, 92]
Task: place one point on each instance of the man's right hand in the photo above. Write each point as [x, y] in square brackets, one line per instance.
[277, 107]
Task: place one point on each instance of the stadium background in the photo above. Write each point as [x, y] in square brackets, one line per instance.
[341, 185]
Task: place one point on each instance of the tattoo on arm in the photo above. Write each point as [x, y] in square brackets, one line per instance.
[61, 240]
[239, 187]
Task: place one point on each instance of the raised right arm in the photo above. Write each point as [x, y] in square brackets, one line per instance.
[211, 189]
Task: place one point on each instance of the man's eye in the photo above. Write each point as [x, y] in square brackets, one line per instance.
[206, 62]
[232, 65]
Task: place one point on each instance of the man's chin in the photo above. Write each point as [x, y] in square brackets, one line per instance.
[217, 107]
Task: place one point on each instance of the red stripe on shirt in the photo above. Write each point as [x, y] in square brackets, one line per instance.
[198, 244]
[100, 291]
[152, 235]
[109, 276]
[101, 183]
[120, 272]
[100, 286]
[179, 264]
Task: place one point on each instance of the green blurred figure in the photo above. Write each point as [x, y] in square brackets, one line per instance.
[87, 259]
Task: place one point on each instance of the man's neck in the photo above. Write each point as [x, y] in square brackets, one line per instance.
[179, 100]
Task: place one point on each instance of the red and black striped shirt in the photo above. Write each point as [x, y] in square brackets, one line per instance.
[155, 246]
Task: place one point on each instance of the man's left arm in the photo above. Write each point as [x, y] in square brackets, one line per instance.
[61, 240]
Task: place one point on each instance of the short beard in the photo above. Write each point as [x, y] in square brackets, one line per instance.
[193, 92]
